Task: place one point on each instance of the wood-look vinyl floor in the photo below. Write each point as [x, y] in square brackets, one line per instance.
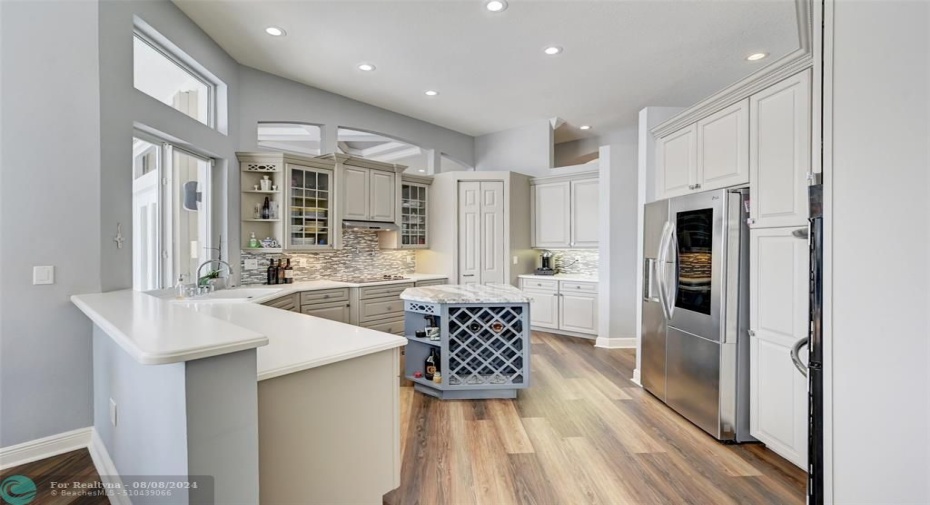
[581, 434]
[70, 467]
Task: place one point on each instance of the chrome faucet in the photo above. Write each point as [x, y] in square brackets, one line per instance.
[209, 281]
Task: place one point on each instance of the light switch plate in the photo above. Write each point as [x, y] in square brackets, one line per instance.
[113, 416]
[515, 260]
[43, 275]
[251, 264]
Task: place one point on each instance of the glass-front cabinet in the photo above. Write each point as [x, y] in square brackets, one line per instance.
[413, 219]
[309, 219]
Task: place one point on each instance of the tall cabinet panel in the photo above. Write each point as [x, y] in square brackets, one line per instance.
[676, 162]
[778, 316]
[381, 205]
[779, 153]
[584, 213]
[356, 190]
[481, 232]
[551, 224]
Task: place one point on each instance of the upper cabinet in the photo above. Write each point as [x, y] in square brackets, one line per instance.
[369, 189]
[710, 154]
[565, 212]
[300, 211]
[780, 153]
[413, 232]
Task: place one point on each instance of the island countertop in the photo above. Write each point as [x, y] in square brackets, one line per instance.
[466, 293]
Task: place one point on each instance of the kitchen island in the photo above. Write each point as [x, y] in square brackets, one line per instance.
[482, 342]
[275, 406]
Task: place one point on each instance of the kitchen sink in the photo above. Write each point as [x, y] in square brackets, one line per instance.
[232, 295]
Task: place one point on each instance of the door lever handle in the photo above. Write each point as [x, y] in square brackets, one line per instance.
[796, 355]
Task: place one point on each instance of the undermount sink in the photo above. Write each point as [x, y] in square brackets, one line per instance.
[233, 295]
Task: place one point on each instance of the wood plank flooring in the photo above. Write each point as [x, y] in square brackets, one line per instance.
[74, 466]
[582, 433]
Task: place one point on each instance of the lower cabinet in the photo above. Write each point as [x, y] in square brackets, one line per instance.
[338, 311]
[569, 306]
[778, 317]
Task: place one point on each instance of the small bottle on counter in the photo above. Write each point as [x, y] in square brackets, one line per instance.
[288, 273]
[281, 279]
[272, 273]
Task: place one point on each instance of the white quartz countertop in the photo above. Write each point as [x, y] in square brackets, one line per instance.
[561, 277]
[296, 341]
[466, 293]
[155, 331]
[154, 328]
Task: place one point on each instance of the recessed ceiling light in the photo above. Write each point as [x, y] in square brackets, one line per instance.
[274, 31]
[552, 50]
[432, 93]
[584, 127]
[421, 171]
[496, 5]
[366, 67]
[756, 56]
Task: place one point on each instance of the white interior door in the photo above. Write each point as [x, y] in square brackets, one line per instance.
[492, 232]
[469, 233]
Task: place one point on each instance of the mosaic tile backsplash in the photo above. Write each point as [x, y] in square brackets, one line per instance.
[359, 257]
[576, 261]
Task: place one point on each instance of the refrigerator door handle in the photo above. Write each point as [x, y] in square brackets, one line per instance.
[649, 272]
[796, 355]
[661, 268]
[672, 291]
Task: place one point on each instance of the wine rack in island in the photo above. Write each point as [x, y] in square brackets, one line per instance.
[483, 341]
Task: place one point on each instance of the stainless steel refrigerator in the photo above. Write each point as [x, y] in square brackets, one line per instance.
[695, 343]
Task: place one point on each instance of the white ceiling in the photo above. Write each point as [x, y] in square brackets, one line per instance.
[490, 69]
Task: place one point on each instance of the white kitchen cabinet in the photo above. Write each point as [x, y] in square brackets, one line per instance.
[356, 204]
[568, 307]
[778, 317]
[368, 194]
[382, 195]
[578, 312]
[676, 163]
[565, 212]
[552, 214]
[544, 308]
[712, 153]
[481, 232]
[723, 148]
[780, 153]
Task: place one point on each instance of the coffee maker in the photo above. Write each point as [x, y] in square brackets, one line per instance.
[546, 260]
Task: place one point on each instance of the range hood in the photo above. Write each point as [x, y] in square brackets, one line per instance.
[369, 225]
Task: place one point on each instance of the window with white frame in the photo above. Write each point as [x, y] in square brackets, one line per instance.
[163, 76]
[171, 213]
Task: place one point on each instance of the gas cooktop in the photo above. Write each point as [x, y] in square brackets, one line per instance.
[368, 280]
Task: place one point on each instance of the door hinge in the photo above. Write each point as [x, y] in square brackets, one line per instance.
[164, 254]
[164, 181]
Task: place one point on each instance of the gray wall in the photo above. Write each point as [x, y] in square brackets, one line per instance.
[150, 437]
[618, 257]
[576, 152]
[881, 241]
[267, 97]
[527, 149]
[49, 201]
[122, 107]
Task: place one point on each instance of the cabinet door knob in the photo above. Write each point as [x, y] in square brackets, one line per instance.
[325, 296]
[690, 186]
[697, 186]
[750, 221]
[752, 333]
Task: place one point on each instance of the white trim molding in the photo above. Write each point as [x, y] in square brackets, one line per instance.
[637, 378]
[615, 343]
[106, 469]
[45, 447]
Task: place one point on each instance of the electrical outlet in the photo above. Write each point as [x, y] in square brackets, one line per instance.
[251, 264]
[112, 411]
[43, 275]
[515, 260]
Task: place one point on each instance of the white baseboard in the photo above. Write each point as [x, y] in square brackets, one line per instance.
[83, 438]
[615, 343]
[46, 447]
[636, 378]
[106, 469]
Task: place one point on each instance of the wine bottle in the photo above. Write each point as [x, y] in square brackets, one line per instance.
[281, 279]
[430, 365]
[266, 209]
[272, 273]
[288, 273]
